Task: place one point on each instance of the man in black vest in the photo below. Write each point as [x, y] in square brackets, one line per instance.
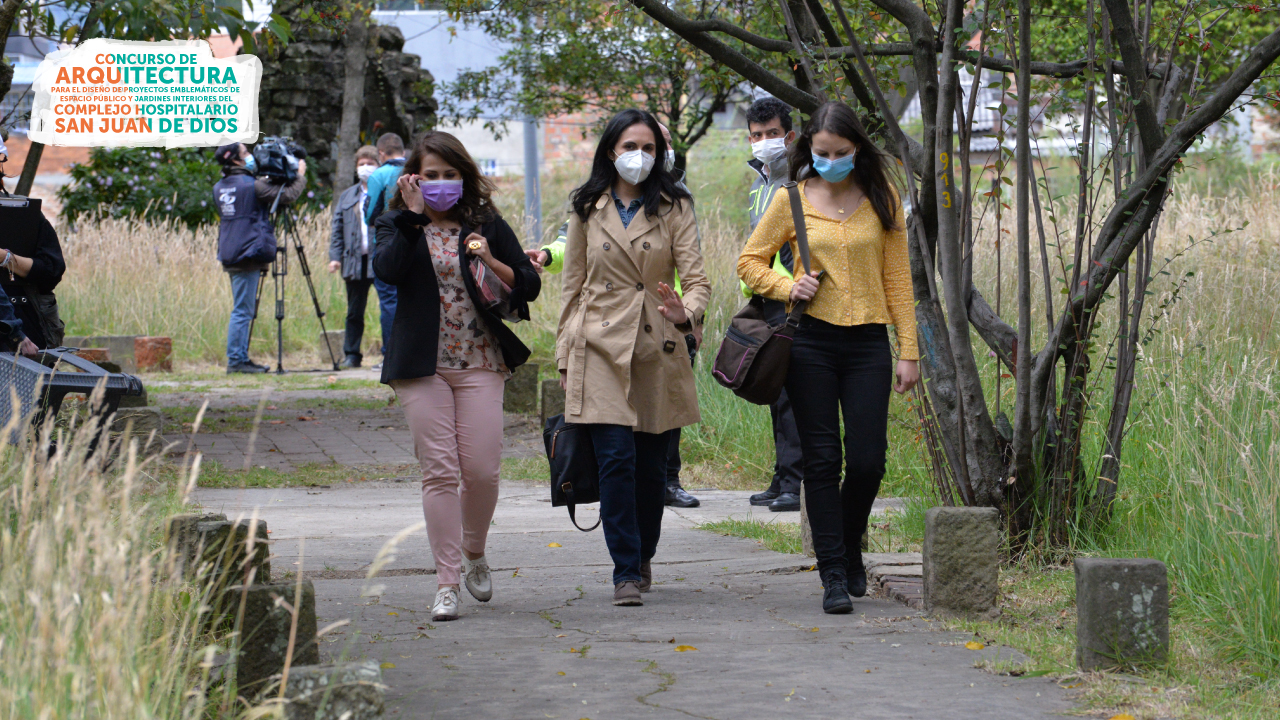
[246, 241]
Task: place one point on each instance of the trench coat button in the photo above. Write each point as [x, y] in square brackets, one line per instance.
[639, 286]
[648, 328]
[646, 246]
[604, 324]
[606, 246]
[608, 286]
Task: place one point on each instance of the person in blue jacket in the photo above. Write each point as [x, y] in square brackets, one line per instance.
[382, 187]
[246, 240]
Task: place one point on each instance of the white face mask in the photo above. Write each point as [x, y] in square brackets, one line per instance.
[670, 162]
[768, 150]
[634, 166]
[364, 171]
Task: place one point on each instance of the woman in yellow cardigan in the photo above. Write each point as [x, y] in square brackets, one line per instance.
[841, 361]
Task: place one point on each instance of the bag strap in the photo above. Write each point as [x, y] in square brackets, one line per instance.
[802, 241]
[573, 519]
[797, 218]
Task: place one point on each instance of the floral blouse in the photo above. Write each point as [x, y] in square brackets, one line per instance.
[465, 342]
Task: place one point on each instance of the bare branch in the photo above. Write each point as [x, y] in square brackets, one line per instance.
[743, 65]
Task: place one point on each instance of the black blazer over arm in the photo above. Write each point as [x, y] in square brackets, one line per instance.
[401, 258]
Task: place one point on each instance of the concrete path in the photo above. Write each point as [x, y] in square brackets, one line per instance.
[550, 644]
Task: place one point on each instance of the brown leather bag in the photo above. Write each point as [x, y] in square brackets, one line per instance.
[754, 355]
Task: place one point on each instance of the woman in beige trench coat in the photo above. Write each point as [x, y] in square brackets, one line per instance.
[621, 347]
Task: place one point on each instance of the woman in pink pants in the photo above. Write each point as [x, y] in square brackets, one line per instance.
[449, 356]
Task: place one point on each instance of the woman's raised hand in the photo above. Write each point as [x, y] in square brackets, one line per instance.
[805, 288]
[672, 307]
[478, 245]
[410, 193]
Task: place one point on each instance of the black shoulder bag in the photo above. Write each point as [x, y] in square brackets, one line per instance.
[575, 476]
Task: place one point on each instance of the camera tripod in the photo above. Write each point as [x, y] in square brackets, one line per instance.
[283, 222]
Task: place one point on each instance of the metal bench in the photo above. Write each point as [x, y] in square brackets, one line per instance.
[41, 383]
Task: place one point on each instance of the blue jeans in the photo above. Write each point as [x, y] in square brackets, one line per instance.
[244, 289]
[633, 472]
[387, 309]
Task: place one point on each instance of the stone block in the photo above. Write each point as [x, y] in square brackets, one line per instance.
[521, 393]
[153, 353]
[552, 399]
[264, 634]
[94, 354]
[350, 691]
[1122, 609]
[142, 420]
[224, 550]
[961, 562]
[120, 347]
[134, 401]
[335, 340]
[183, 539]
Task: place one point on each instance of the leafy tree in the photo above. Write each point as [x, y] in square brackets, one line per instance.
[1155, 86]
[173, 183]
[570, 56]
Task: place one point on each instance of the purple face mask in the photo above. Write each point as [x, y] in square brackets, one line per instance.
[440, 195]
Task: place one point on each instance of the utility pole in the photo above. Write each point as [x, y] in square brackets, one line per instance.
[532, 186]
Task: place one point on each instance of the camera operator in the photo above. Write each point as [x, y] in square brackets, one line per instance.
[28, 283]
[246, 240]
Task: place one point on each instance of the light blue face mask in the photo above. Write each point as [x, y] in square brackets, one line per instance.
[251, 163]
[833, 170]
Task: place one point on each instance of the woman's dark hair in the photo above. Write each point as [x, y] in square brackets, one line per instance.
[475, 207]
[870, 170]
[603, 173]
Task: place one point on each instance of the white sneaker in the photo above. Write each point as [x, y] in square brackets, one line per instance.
[446, 605]
[477, 578]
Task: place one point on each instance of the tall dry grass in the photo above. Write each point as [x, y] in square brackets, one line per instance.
[131, 277]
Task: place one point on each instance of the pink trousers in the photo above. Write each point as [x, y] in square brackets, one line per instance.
[455, 417]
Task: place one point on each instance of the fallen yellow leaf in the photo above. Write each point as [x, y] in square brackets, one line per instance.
[394, 613]
[1122, 716]
[813, 629]
[685, 648]
[974, 645]
[387, 665]
[554, 545]
[560, 673]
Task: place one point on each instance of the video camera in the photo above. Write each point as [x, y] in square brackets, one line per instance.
[277, 159]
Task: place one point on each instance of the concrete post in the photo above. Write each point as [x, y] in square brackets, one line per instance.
[1122, 609]
[961, 562]
[264, 635]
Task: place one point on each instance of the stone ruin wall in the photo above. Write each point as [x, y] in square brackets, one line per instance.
[302, 85]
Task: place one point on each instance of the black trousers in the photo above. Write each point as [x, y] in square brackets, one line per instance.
[838, 371]
[632, 469]
[673, 459]
[357, 300]
[788, 464]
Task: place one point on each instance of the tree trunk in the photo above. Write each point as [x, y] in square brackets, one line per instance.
[357, 58]
[1023, 469]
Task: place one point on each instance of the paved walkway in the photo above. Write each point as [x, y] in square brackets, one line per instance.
[550, 644]
[317, 426]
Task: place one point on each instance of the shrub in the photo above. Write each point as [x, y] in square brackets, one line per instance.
[157, 183]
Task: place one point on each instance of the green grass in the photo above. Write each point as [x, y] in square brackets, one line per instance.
[783, 537]
[531, 470]
[215, 475]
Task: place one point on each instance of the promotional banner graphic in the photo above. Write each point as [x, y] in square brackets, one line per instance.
[171, 93]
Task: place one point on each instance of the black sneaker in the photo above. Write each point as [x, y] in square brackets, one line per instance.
[835, 597]
[765, 497]
[677, 497]
[248, 368]
[786, 502]
[857, 576]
